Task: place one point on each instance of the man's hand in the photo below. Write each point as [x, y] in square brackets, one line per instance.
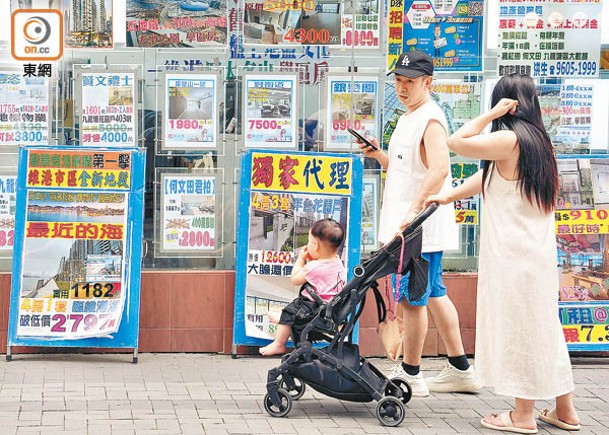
[367, 150]
[379, 155]
[408, 219]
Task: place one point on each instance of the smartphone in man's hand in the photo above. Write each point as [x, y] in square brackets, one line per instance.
[362, 139]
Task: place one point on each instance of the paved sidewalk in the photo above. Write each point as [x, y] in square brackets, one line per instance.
[214, 394]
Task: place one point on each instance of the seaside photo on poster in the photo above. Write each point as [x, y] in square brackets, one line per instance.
[55, 265]
[41, 210]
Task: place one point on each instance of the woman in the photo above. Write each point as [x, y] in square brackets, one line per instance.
[520, 347]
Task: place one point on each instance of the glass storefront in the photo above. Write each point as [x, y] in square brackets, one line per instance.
[196, 83]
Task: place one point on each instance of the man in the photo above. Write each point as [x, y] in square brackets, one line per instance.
[438, 41]
[418, 165]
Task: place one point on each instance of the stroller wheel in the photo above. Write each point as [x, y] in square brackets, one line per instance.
[299, 388]
[283, 409]
[402, 385]
[390, 411]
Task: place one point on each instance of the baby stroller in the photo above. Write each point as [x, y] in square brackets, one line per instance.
[338, 370]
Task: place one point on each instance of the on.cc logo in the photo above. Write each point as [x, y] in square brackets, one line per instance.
[37, 34]
[36, 30]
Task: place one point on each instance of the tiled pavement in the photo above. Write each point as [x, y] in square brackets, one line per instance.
[214, 394]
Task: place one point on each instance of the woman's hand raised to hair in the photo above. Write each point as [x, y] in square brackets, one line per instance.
[505, 105]
[440, 199]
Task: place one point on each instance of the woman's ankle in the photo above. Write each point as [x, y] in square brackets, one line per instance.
[568, 415]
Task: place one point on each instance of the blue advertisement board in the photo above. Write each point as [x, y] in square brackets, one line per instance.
[77, 249]
[449, 31]
[281, 195]
[582, 236]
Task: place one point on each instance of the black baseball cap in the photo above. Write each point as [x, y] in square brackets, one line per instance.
[413, 64]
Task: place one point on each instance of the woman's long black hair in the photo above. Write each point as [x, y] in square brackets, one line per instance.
[537, 172]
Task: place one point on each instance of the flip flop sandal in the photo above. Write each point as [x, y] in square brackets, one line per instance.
[508, 424]
[549, 416]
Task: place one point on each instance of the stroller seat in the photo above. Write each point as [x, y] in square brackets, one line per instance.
[338, 370]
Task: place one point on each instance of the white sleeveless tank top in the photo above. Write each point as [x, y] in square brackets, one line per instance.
[405, 174]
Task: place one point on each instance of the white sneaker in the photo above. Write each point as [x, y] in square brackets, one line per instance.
[416, 382]
[453, 380]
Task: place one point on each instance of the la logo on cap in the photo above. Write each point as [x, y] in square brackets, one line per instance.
[405, 61]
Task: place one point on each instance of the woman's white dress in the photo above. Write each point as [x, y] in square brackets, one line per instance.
[520, 347]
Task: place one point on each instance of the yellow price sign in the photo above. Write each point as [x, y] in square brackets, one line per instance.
[466, 217]
[98, 290]
[586, 333]
[582, 216]
[582, 221]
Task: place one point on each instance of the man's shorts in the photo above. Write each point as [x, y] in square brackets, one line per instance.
[435, 286]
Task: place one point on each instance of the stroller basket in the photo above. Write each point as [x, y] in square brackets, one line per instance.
[338, 370]
[323, 376]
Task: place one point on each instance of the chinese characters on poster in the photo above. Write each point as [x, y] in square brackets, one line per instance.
[312, 22]
[270, 111]
[567, 114]
[24, 118]
[107, 115]
[72, 281]
[8, 198]
[177, 23]
[188, 213]
[288, 193]
[582, 230]
[467, 209]
[190, 111]
[549, 38]
[351, 104]
[450, 31]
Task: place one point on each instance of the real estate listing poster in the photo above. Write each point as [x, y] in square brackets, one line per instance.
[582, 233]
[283, 194]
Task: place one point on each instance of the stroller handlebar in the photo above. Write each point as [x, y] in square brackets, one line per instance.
[417, 221]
